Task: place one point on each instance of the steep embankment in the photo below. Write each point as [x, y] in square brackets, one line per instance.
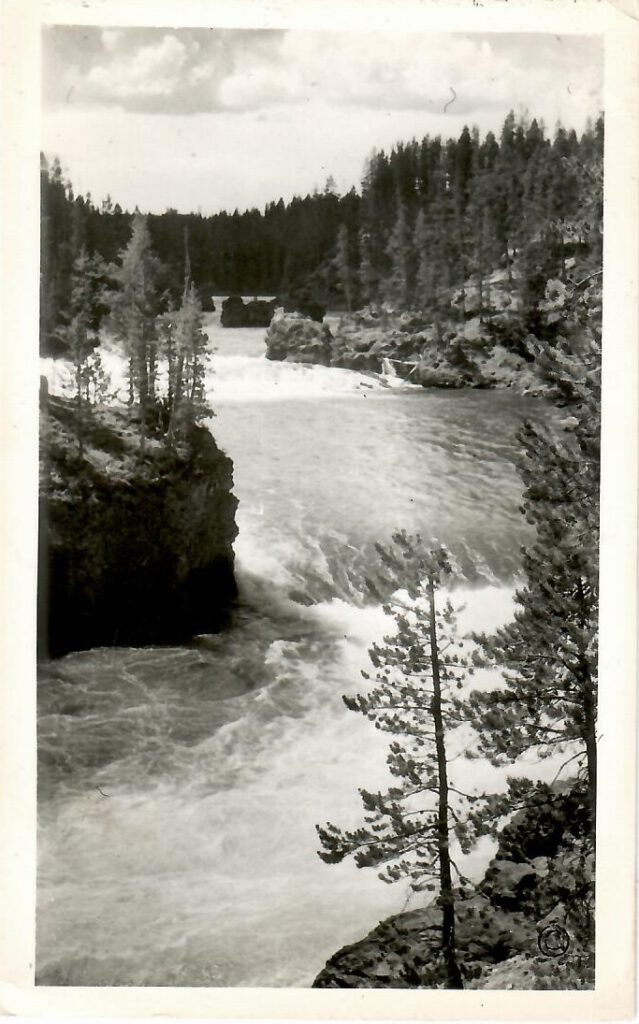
[136, 547]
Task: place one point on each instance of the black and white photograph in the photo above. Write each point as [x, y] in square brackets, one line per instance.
[318, 555]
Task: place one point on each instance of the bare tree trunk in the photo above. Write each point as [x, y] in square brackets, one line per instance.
[508, 266]
[589, 719]
[170, 358]
[462, 261]
[480, 268]
[446, 897]
[562, 250]
[79, 403]
[152, 370]
[590, 739]
[143, 390]
[177, 397]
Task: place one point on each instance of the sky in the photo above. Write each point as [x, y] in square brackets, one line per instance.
[212, 119]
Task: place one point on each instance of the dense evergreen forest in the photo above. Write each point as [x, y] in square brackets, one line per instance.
[428, 215]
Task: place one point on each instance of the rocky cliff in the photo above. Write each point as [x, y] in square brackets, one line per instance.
[135, 546]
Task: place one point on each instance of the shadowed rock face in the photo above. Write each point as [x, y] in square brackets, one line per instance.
[135, 548]
[255, 313]
[259, 312]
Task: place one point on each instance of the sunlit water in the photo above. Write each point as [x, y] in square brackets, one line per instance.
[180, 787]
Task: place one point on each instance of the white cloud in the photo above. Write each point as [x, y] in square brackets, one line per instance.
[194, 71]
[151, 71]
[407, 72]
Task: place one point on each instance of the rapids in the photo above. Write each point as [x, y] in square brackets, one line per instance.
[179, 787]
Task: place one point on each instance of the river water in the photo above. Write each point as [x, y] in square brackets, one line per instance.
[179, 787]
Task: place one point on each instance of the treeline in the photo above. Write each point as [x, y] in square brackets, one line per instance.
[429, 215]
[255, 253]
[435, 213]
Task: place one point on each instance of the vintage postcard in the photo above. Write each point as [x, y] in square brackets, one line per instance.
[320, 525]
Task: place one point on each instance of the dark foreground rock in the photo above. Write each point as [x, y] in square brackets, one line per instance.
[135, 548]
[404, 950]
[540, 878]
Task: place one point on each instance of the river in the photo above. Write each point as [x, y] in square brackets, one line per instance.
[179, 787]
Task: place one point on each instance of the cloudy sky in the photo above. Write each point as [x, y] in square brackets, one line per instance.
[215, 119]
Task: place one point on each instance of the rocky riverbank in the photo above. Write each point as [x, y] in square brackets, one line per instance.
[135, 545]
[463, 355]
[526, 925]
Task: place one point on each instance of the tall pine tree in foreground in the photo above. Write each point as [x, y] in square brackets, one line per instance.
[408, 829]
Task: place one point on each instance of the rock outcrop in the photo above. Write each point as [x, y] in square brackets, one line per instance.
[136, 546]
[404, 951]
[406, 345]
[539, 883]
[255, 313]
[296, 338]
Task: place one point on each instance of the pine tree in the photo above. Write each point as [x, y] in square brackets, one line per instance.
[343, 264]
[397, 283]
[479, 227]
[367, 276]
[135, 306]
[80, 334]
[186, 355]
[508, 176]
[549, 651]
[408, 828]
[424, 262]
[189, 404]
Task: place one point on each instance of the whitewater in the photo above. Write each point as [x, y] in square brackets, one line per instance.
[179, 788]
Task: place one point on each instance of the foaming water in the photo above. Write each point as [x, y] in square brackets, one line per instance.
[180, 787]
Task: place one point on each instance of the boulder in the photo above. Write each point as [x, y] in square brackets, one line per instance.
[255, 313]
[296, 338]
